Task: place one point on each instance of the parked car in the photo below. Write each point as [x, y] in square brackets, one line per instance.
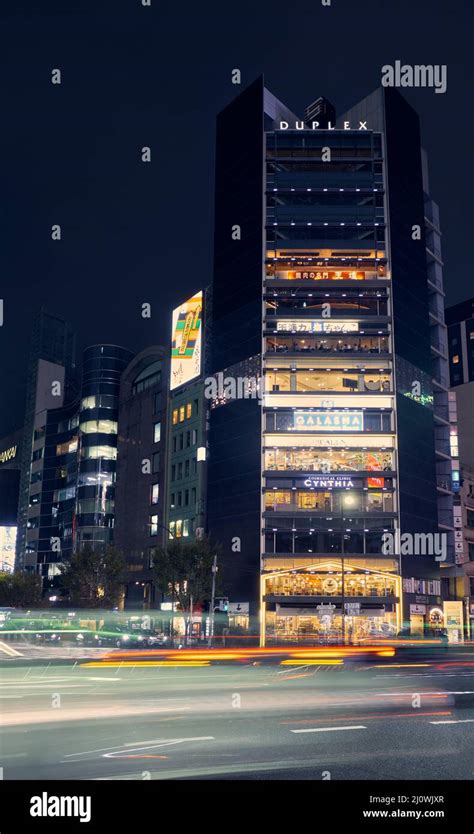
[129, 639]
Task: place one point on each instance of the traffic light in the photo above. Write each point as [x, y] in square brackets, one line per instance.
[222, 605]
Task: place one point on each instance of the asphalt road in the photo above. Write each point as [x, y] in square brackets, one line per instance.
[68, 721]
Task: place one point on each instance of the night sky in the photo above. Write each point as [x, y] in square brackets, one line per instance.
[157, 76]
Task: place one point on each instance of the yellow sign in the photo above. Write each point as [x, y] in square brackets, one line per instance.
[454, 621]
[8, 454]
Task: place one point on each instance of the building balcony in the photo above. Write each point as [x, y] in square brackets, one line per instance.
[321, 598]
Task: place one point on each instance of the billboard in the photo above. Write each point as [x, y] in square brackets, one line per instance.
[328, 421]
[186, 344]
[318, 326]
[7, 548]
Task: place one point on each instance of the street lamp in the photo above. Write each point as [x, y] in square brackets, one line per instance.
[213, 597]
[347, 500]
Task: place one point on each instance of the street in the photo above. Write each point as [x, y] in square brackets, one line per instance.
[68, 720]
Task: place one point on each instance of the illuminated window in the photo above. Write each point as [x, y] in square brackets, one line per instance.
[65, 448]
[153, 525]
[455, 359]
[88, 402]
[181, 414]
[179, 528]
[157, 433]
[155, 493]
[99, 427]
[172, 530]
[94, 452]
[175, 416]
[201, 453]
[277, 497]
[186, 527]
[189, 410]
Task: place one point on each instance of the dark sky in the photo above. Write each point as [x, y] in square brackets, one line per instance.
[157, 76]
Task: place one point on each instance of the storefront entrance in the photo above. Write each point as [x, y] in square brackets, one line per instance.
[309, 628]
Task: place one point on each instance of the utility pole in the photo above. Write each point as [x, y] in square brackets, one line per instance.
[342, 566]
[213, 596]
[190, 631]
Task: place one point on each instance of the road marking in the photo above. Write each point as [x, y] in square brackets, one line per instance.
[9, 650]
[102, 749]
[13, 696]
[152, 746]
[459, 721]
[431, 675]
[112, 680]
[49, 684]
[375, 716]
[330, 729]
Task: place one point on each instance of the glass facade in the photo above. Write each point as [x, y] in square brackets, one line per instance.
[327, 331]
[103, 366]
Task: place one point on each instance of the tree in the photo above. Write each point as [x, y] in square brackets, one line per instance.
[20, 589]
[94, 577]
[183, 571]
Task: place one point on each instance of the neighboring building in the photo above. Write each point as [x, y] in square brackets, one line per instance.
[459, 584]
[444, 405]
[50, 384]
[460, 321]
[185, 512]
[186, 507]
[324, 292]
[141, 470]
[70, 475]
[10, 455]
[103, 366]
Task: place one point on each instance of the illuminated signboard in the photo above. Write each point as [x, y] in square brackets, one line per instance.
[319, 326]
[186, 345]
[328, 482]
[8, 454]
[7, 548]
[324, 275]
[328, 421]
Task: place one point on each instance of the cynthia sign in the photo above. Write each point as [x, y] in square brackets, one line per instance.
[328, 421]
[332, 482]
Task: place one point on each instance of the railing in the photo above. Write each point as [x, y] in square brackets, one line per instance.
[316, 592]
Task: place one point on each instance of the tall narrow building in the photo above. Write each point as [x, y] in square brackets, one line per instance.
[321, 297]
[50, 383]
